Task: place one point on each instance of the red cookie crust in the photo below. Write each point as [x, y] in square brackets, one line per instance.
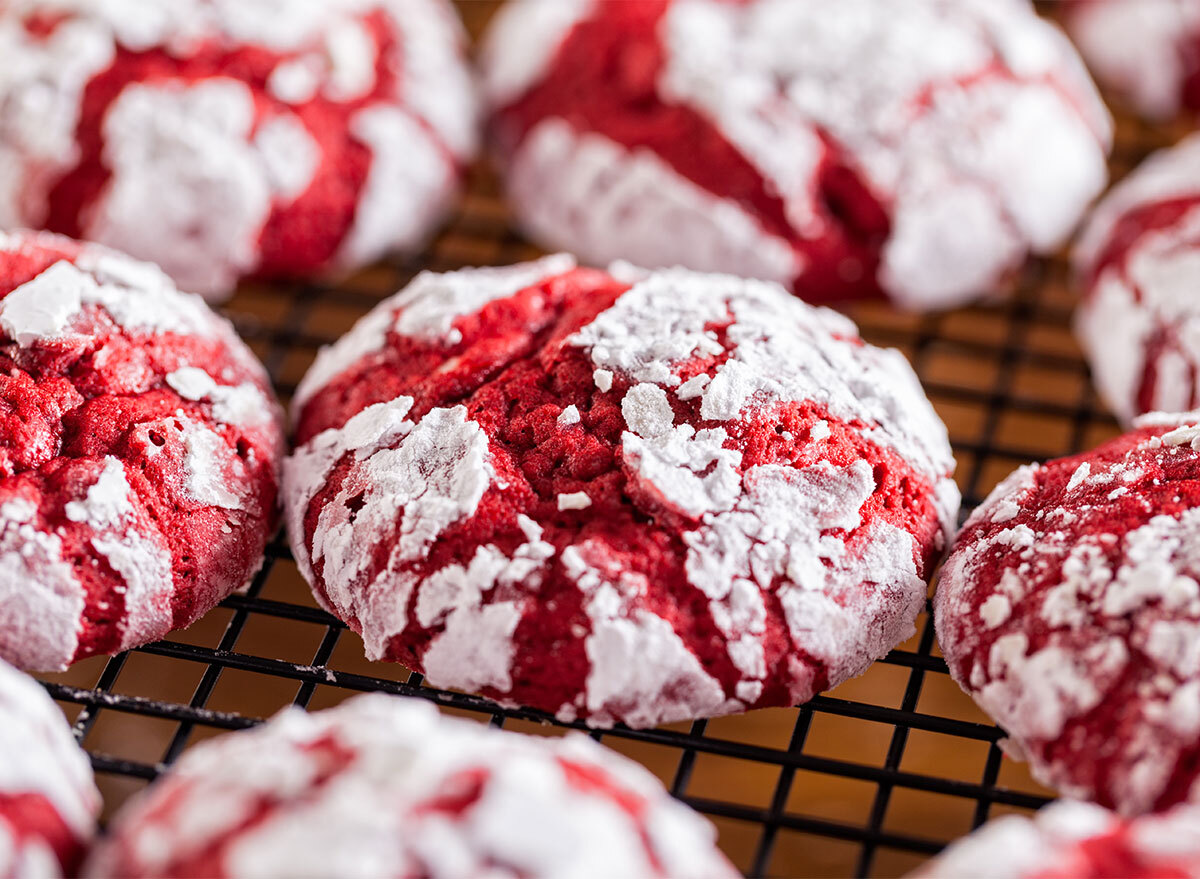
[231, 138]
[1138, 261]
[48, 800]
[642, 500]
[382, 786]
[827, 146]
[1072, 840]
[139, 447]
[1146, 51]
[1070, 610]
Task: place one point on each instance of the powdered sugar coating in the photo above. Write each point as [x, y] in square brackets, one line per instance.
[382, 786]
[501, 465]
[138, 458]
[1071, 621]
[1144, 50]
[121, 119]
[48, 800]
[1070, 838]
[830, 147]
[1137, 262]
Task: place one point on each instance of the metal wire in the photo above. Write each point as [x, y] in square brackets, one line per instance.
[1012, 388]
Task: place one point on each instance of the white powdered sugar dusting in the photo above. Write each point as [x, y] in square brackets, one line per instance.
[439, 87]
[210, 466]
[405, 159]
[182, 162]
[39, 757]
[290, 154]
[1167, 174]
[305, 472]
[43, 309]
[41, 598]
[1128, 304]
[540, 27]
[107, 501]
[770, 522]
[135, 295]
[281, 25]
[1137, 47]
[1018, 847]
[41, 91]
[242, 404]
[141, 560]
[1078, 611]
[1069, 838]
[781, 350]
[376, 815]
[647, 411]
[427, 307]
[476, 648]
[575, 500]
[582, 192]
[641, 670]
[434, 477]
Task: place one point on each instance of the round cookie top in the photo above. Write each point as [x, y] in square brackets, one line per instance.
[1070, 610]
[48, 800]
[636, 497]
[1073, 840]
[832, 147]
[1148, 51]
[382, 786]
[139, 448]
[1138, 262]
[226, 138]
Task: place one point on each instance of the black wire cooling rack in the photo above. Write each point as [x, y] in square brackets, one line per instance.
[868, 780]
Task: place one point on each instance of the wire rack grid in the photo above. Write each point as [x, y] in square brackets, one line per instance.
[869, 780]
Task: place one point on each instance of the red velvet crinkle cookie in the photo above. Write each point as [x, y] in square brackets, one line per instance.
[139, 449]
[1148, 51]
[382, 786]
[636, 500]
[1138, 262]
[226, 138]
[837, 148]
[48, 800]
[1073, 840]
[1070, 610]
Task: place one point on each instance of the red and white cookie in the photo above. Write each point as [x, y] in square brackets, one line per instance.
[639, 498]
[837, 148]
[139, 448]
[382, 786]
[227, 138]
[1148, 51]
[1070, 610]
[1138, 262]
[48, 800]
[1073, 840]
